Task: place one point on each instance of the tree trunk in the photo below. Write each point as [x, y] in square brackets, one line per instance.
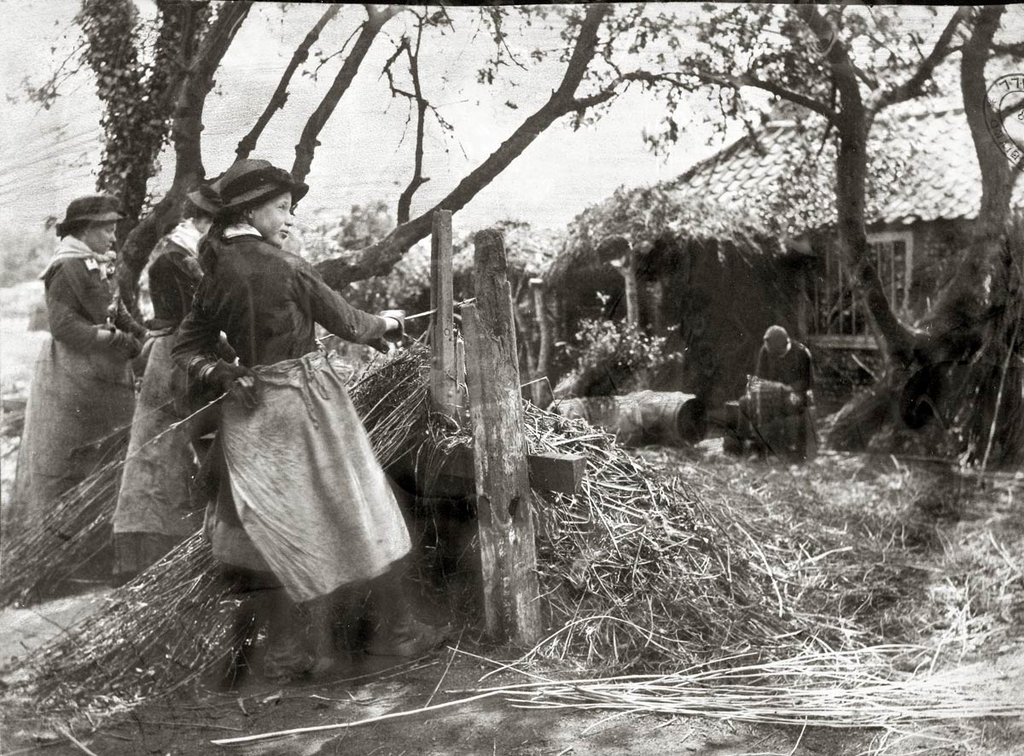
[978, 284]
[851, 179]
[186, 135]
[631, 288]
[542, 388]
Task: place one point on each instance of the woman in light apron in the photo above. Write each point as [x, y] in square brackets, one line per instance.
[303, 503]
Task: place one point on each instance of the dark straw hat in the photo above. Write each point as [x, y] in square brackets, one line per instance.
[95, 208]
[248, 183]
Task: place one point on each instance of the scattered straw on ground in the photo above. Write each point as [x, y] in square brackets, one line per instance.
[770, 613]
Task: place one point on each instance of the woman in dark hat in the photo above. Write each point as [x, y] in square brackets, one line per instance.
[154, 509]
[304, 504]
[82, 387]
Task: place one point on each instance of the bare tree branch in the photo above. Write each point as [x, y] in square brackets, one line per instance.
[277, 101]
[417, 180]
[750, 79]
[379, 258]
[375, 20]
[1015, 50]
[914, 85]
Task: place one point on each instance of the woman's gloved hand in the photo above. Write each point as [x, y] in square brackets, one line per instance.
[396, 326]
[393, 332]
[124, 321]
[126, 345]
[237, 378]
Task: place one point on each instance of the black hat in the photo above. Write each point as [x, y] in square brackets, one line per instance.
[206, 197]
[247, 183]
[94, 208]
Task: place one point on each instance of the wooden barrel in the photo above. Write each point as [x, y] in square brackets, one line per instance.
[644, 417]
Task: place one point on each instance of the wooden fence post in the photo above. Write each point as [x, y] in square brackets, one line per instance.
[541, 389]
[632, 288]
[504, 497]
[444, 391]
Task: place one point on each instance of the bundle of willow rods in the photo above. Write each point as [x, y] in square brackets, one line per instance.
[156, 633]
[171, 625]
[59, 540]
[850, 689]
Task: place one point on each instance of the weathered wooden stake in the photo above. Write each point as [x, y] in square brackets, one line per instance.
[444, 391]
[632, 289]
[657, 303]
[541, 389]
[504, 499]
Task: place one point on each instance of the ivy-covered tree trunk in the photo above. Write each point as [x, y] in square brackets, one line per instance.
[206, 42]
[137, 94]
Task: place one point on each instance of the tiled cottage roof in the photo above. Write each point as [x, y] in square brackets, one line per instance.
[925, 159]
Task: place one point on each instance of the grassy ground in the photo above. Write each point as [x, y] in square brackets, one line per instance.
[910, 552]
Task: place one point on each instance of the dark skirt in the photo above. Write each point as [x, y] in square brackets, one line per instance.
[154, 508]
[76, 400]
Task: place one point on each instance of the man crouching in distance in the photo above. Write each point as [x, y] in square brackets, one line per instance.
[784, 360]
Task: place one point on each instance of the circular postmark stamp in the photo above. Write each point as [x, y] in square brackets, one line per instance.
[1005, 117]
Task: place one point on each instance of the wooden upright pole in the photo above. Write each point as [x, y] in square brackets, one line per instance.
[541, 389]
[504, 498]
[632, 288]
[444, 390]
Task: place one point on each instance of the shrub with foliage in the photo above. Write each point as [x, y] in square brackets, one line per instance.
[613, 357]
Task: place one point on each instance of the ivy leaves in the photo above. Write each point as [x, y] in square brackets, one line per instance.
[135, 64]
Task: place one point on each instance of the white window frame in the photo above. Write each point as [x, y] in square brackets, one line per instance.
[866, 340]
[907, 237]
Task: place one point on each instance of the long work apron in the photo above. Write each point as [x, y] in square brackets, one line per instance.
[308, 489]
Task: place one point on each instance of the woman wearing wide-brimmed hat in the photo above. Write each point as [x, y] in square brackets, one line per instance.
[154, 506]
[304, 503]
[83, 386]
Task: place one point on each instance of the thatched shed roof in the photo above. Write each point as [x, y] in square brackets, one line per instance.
[658, 218]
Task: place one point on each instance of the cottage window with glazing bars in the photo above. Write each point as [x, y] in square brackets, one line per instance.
[839, 309]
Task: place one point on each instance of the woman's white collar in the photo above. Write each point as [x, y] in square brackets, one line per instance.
[240, 229]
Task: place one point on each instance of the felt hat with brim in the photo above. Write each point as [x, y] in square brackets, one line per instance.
[248, 183]
[94, 208]
[205, 197]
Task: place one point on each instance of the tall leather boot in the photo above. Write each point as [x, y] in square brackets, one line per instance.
[319, 635]
[395, 629]
[288, 654]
